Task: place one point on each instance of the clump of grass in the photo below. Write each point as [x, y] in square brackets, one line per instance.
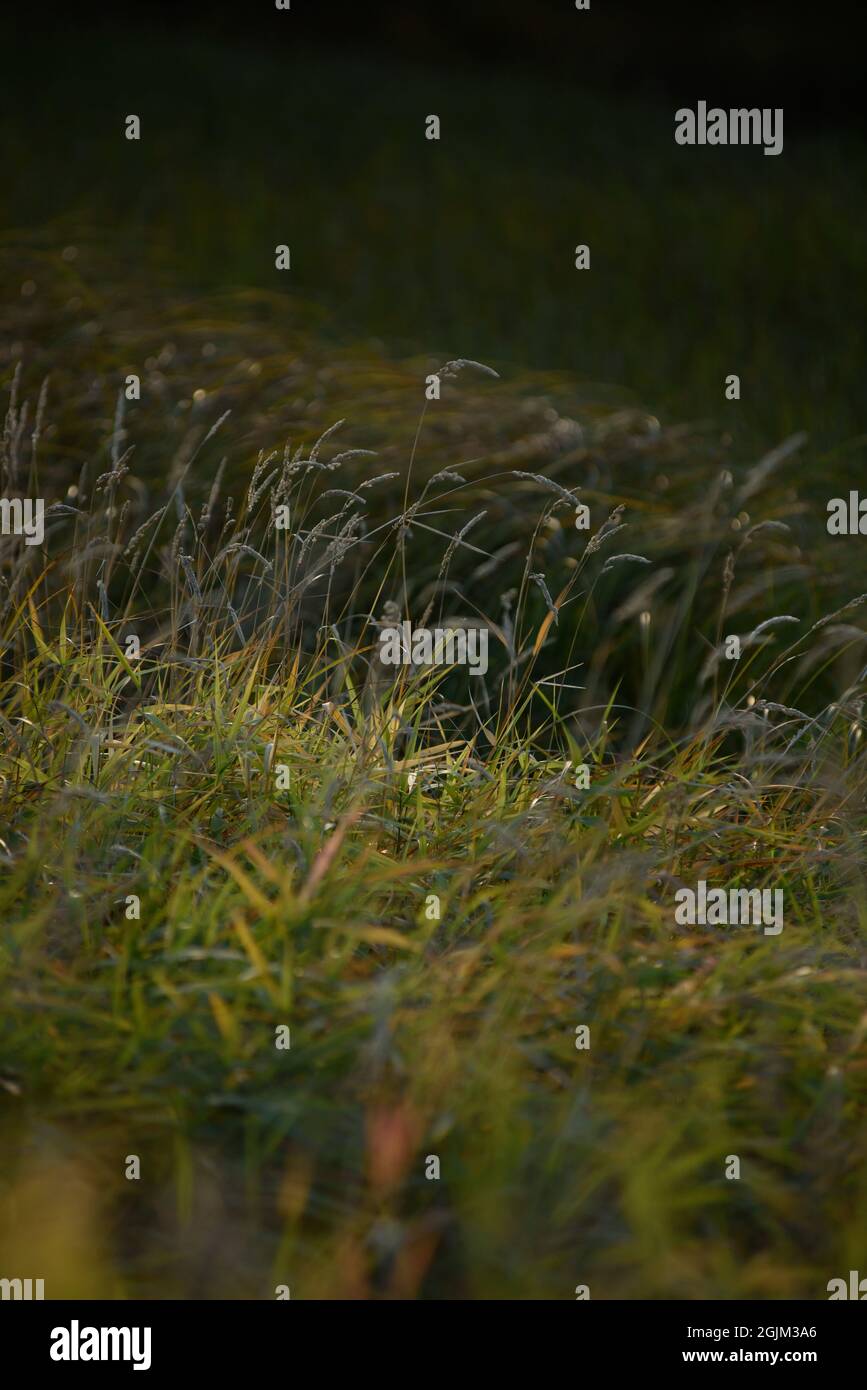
[152, 780]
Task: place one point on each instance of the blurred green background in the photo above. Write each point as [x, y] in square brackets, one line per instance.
[704, 262]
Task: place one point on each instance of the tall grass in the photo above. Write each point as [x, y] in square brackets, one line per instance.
[309, 906]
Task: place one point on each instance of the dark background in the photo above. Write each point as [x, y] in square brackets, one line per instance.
[810, 56]
[307, 127]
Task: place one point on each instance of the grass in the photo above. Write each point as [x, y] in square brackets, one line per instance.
[309, 906]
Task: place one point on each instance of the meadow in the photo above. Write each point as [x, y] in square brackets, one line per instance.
[426, 896]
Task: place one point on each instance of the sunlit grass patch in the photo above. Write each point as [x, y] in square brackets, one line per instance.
[241, 823]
